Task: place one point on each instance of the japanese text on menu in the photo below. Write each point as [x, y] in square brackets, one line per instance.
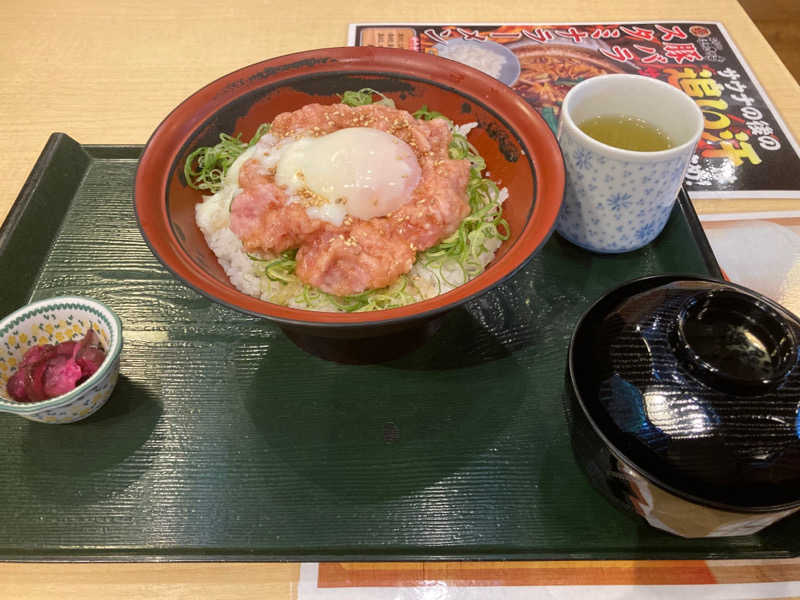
[743, 147]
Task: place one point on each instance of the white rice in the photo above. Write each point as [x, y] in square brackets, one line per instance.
[475, 56]
[213, 218]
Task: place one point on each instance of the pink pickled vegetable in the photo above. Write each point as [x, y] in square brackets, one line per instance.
[61, 375]
[16, 385]
[35, 354]
[90, 354]
[52, 370]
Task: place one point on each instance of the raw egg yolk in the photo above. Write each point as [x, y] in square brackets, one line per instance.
[356, 171]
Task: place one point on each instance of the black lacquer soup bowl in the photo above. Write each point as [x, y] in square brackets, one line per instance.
[683, 404]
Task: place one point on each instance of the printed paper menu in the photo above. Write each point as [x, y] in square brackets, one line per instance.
[746, 149]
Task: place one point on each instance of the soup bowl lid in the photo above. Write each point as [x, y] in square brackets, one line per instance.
[695, 383]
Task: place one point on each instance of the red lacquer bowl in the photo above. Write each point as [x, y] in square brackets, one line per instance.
[520, 151]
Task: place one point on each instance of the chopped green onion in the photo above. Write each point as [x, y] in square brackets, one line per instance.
[460, 147]
[281, 268]
[424, 114]
[205, 168]
[364, 96]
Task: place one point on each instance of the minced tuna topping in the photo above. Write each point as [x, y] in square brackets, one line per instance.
[359, 254]
[356, 206]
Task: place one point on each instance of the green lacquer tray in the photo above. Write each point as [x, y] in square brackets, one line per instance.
[225, 441]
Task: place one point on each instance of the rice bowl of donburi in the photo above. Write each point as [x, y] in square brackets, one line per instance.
[349, 190]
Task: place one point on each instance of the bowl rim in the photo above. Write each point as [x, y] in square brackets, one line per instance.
[548, 188]
[651, 281]
[112, 353]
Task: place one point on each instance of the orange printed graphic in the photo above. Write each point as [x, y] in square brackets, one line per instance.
[481, 574]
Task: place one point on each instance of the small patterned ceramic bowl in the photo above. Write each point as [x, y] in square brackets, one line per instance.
[52, 321]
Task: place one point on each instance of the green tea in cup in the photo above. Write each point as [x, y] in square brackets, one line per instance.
[626, 141]
[626, 132]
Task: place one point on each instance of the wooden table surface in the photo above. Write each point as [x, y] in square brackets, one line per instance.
[109, 72]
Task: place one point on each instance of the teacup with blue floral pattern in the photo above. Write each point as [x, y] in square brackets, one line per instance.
[618, 200]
